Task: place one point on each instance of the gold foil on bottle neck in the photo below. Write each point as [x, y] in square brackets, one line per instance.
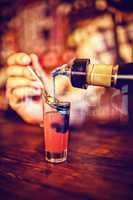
[99, 74]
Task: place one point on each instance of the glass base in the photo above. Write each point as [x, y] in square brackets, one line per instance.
[56, 157]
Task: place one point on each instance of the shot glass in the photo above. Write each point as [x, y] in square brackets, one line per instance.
[56, 131]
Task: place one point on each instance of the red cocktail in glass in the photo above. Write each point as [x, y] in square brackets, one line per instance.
[56, 131]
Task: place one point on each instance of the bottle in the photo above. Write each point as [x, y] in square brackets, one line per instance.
[82, 73]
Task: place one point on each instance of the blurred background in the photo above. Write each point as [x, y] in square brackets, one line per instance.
[59, 30]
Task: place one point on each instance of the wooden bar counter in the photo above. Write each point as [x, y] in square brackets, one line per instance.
[99, 166]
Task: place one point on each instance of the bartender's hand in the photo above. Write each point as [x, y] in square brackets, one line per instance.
[21, 84]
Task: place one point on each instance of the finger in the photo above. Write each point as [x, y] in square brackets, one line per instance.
[16, 96]
[35, 61]
[19, 59]
[20, 93]
[38, 68]
[19, 71]
[14, 82]
[12, 99]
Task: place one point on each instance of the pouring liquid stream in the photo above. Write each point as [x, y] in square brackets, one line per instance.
[53, 88]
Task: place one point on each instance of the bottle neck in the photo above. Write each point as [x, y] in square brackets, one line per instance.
[84, 74]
